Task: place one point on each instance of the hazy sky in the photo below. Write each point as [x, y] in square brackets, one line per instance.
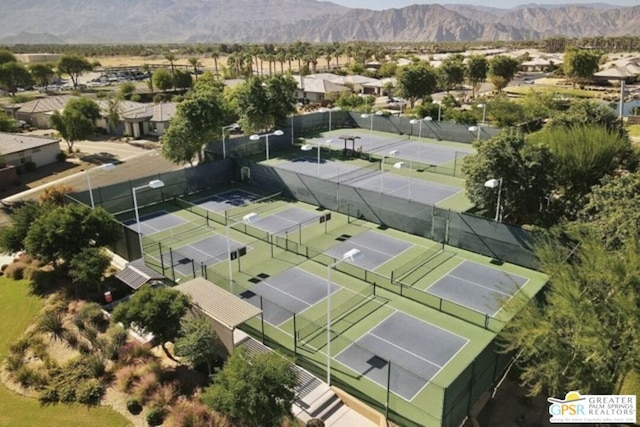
[387, 4]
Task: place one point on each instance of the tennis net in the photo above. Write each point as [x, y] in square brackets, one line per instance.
[198, 210]
[358, 174]
[417, 262]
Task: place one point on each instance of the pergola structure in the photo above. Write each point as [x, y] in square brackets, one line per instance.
[618, 73]
[347, 138]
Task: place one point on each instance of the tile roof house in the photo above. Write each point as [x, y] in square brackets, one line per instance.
[38, 112]
[149, 120]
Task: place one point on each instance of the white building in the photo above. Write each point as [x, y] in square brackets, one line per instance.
[18, 149]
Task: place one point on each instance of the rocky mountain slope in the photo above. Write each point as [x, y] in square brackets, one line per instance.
[260, 21]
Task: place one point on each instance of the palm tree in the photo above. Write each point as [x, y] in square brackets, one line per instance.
[113, 114]
[171, 58]
[147, 69]
[215, 55]
[195, 63]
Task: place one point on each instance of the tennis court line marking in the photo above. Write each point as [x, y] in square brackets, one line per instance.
[510, 298]
[370, 329]
[449, 197]
[405, 350]
[441, 369]
[526, 279]
[285, 293]
[479, 285]
[382, 235]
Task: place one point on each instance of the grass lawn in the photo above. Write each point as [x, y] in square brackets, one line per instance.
[17, 311]
[634, 130]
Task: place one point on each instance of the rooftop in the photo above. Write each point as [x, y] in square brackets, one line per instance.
[17, 142]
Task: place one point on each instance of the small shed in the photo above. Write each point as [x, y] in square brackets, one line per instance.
[225, 310]
[136, 274]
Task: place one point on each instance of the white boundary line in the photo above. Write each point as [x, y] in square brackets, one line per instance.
[371, 329]
[284, 293]
[479, 285]
[386, 237]
[404, 350]
[448, 197]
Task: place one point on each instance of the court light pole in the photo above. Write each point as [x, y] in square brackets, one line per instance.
[439, 108]
[495, 183]
[256, 137]
[484, 112]
[371, 115]
[324, 110]
[392, 153]
[424, 119]
[473, 129]
[351, 255]
[156, 183]
[247, 219]
[224, 143]
[309, 147]
[106, 167]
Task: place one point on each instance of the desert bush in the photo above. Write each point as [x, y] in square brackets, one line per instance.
[4, 267]
[44, 278]
[19, 347]
[38, 348]
[145, 386]
[164, 396]
[51, 322]
[15, 270]
[71, 338]
[134, 406]
[84, 348]
[134, 351]
[186, 413]
[155, 416]
[90, 392]
[13, 362]
[96, 365]
[69, 381]
[91, 314]
[116, 338]
[125, 378]
[48, 395]
[30, 377]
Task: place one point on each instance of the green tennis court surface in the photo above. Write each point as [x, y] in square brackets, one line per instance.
[408, 316]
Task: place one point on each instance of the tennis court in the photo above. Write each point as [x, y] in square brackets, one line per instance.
[406, 346]
[208, 251]
[427, 192]
[227, 200]
[155, 222]
[286, 220]
[295, 290]
[478, 287]
[386, 247]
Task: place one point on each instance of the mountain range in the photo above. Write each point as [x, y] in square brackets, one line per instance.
[281, 21]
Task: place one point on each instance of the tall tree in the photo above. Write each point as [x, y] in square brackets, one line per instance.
[584, 155]
[76, 122]
[156, 310]
[12, 76]
[451, 72]
[147, 69]
[215, 55]
[88, 266]
[163, 79]
[73, 66]
[61, 233]
[7, 56]
[195, 63]
[585, 337]
[42, 73]
[256, 391]
[476, 71]
[580, 64]
[416, 81]
[182, 79]
[527, 175]
[198, 344]
[12, 238]
[502, 69]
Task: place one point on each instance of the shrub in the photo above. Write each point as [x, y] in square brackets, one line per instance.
[61, 157]
[91, 314]
[15, 271]
[125, 378]
[48, 395]
[97, 366]
[19, 347]
[186, 413]
[164, 396]
[71, 338]
[13, 362]
[134, 406]
[51, 323]
[30, 377]
[155, 416]
[116, 337]
[90, 392]
[134, 351]
[145, 386]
